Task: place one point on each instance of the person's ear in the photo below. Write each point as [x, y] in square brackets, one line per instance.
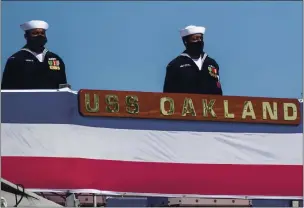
[185, 43]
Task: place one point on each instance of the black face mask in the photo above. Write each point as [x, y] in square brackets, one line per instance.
[36, 42]
[195, 48]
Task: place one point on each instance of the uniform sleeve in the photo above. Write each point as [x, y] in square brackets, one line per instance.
[218, 87]
[171, 82]
[62, 79]
[12, 75]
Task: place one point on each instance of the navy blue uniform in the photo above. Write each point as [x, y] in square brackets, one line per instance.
[24, 71]
[184, 76]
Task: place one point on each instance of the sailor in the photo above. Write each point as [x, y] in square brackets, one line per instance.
[34, 67]
[193, 71]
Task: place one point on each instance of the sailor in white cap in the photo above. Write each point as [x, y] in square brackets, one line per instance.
[34, 67]
[193, 71]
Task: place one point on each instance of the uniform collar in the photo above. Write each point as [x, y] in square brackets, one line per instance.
[187, 55]
[34, 53]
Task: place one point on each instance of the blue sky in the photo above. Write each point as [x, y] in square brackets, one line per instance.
[127, 45]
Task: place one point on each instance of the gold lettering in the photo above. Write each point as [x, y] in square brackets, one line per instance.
[188, 107]
[273, 113]
[112, 103]
[226, 110]
[171, 110]
[294, 111]
[88, 103]
[132, 105]
[248, 106]
[208, 108]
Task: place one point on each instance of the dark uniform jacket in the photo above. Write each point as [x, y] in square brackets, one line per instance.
[24, 71]
[183, 76]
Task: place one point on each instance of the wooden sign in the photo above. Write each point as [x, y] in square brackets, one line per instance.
[189, 107]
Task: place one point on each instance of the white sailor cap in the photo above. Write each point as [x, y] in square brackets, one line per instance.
[192, 29]
[34, 24]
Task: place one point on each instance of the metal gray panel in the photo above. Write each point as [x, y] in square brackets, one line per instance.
[271, 203]
[157, 201]
[127, 202]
